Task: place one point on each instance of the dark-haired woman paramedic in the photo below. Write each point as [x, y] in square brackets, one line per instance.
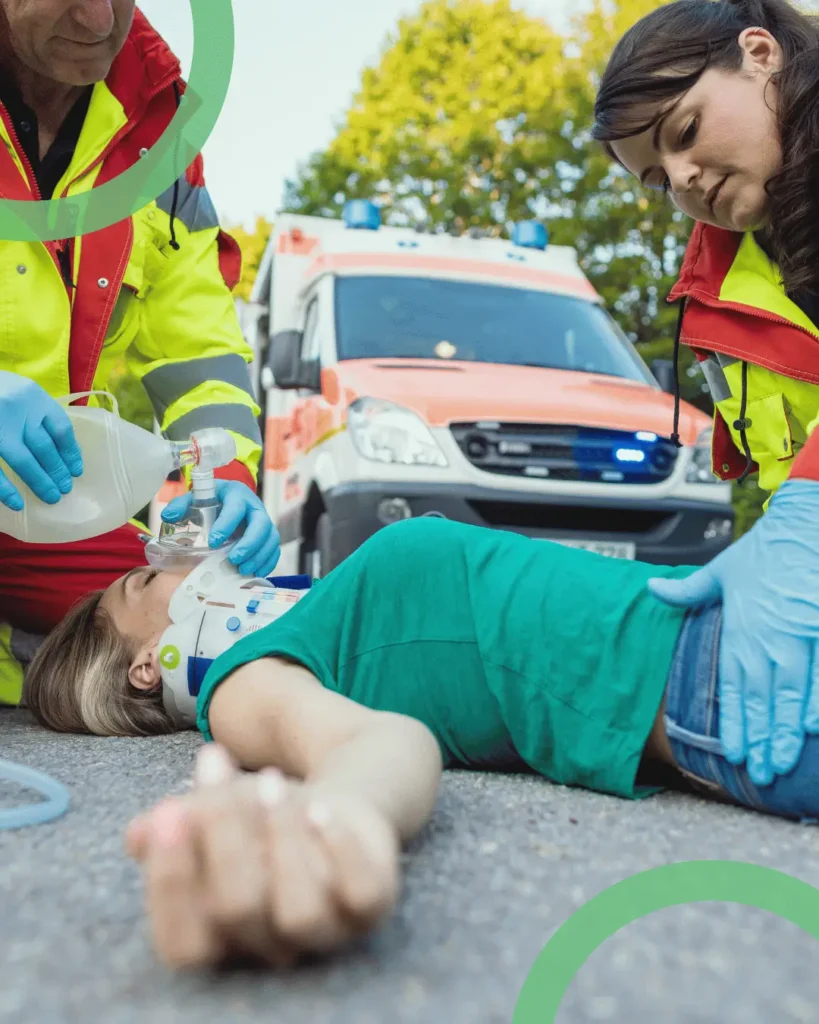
[717, 104]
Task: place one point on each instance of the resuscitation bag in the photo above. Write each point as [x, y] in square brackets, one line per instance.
[124, 466]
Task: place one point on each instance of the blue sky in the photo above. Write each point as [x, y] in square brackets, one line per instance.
[296, 69]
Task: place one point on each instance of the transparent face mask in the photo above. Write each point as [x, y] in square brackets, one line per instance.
[185, 543]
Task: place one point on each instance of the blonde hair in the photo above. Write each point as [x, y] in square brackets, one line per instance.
[78, 679]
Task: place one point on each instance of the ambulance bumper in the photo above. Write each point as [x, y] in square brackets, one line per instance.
[665, 531]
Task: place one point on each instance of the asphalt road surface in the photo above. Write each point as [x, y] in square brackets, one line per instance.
[505, 862]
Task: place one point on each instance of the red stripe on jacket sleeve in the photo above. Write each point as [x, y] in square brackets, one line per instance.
[236, 471]
[806, 464]
[230, 259]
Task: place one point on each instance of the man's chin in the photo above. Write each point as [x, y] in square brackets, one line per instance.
[80, 73]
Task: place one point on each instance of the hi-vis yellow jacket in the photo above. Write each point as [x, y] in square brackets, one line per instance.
[760, 356]
[153, 290]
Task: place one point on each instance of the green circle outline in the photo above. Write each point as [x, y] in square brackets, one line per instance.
[169, 656]
[693, 881]
[47, 220]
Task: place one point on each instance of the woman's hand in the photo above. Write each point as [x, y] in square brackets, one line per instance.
[256, 866]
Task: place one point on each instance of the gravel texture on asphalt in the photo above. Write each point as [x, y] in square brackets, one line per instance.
[506, 860]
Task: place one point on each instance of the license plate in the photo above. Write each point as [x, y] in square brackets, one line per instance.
[611, 549]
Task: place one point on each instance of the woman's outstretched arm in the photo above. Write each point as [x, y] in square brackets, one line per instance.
[273, 713]
[257, 865]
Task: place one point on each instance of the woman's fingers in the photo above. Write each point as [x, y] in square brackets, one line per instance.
[255, 866]
[234, 868]
[365, 858]
[183, 935]
[300, 901]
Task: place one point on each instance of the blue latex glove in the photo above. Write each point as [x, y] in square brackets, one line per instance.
[257, 553]
[768, 582]
[36, 440]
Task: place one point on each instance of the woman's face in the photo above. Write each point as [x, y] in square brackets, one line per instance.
[138, 602]
[718, 144]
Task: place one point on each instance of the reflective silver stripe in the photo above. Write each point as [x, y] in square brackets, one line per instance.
[194, 206]
[168, 383]
[716, 379]
[725, 360]
[230, 416]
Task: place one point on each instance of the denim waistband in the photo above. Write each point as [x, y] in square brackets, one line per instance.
[692, 727]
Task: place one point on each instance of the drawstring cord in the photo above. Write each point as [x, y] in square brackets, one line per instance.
[743, 423]
[675, 434]
[175, 202]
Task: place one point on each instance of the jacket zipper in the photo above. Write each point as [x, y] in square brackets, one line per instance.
[15, 138]
[61, 249]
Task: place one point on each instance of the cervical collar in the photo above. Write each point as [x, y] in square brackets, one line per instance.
[210, 610]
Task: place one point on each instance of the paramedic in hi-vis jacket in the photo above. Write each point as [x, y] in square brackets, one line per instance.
[86, 87]
[715, 104]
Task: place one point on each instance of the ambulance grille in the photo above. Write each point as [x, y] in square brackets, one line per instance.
[557, 452]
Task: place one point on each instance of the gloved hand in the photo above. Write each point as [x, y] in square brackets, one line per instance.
[36, 440]
[257, 553]
[768, 582]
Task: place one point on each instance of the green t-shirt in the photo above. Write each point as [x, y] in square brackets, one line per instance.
[512, 651]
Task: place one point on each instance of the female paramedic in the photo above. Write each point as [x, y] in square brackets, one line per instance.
[717, 104]
[434, 644]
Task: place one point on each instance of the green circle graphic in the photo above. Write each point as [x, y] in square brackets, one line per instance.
[169, 656]
[52, 219]
[695, 881]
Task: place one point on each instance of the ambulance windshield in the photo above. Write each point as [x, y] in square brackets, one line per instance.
[381, 317]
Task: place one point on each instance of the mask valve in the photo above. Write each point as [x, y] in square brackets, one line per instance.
[184, 543]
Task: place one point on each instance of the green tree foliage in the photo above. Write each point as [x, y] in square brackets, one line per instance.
[253, 244]
[479, 115]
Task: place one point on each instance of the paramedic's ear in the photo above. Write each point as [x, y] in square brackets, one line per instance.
[144, 672]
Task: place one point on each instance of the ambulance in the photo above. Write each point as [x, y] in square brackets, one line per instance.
[405, 373]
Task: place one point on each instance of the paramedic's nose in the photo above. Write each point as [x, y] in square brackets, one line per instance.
[95, 16]
[681, 172]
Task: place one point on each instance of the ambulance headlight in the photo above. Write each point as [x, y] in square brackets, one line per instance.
[385, 432]
[699, 469]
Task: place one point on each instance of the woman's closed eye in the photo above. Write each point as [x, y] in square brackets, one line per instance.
[148, 576]
[687, 138]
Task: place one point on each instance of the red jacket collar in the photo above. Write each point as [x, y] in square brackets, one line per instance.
[143, 67]
[708, 258]
[711, 324]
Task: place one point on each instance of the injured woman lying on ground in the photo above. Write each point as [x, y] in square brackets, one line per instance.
[434, 645]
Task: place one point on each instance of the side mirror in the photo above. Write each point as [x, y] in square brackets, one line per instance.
[284, 360]
[663, 370]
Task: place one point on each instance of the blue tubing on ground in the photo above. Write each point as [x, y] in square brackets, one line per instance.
[56, 804]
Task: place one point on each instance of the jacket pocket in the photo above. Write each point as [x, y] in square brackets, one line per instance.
[769, 432]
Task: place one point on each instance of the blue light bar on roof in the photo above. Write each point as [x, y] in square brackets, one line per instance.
[530, 234]
[361, 213]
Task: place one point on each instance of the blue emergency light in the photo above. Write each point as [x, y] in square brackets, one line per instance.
[530, 234]
[629, 455]
[362, 214]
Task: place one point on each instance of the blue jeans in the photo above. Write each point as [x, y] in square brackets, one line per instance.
[692, 726]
